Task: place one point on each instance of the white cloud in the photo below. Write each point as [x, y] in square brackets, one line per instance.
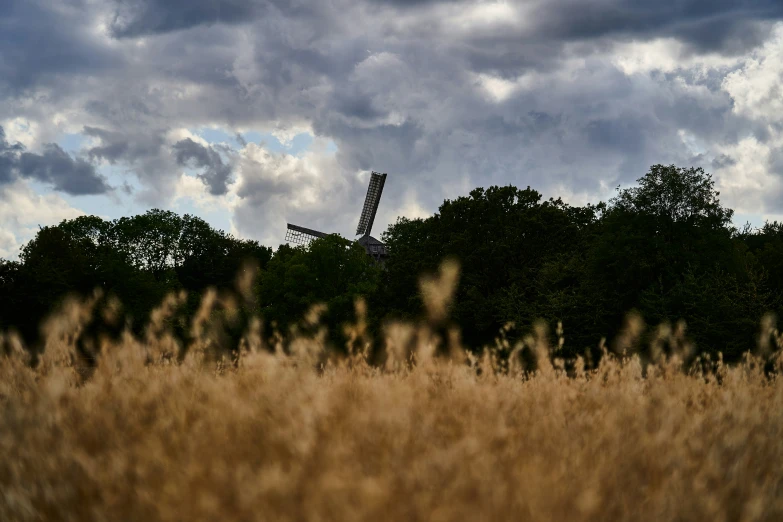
[272, 189]
[22, 211]
[309, 190]
[444, 96]
[666, 55]
[21, 130]
[498, 89]
[179, 134]
[285, 134]
[193, 190]
[747, 185]
[757, 88]
[411, 209]
[482, 17]
[751, 182]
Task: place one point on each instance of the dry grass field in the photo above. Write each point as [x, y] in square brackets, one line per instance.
[293, 435]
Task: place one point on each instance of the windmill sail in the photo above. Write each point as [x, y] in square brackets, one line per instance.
[371, 203]
[301, 235]
[374, 248]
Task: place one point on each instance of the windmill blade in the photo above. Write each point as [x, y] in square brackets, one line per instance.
[371, 201]
[301, 235]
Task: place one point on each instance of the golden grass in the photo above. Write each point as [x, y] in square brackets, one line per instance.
[280, 436]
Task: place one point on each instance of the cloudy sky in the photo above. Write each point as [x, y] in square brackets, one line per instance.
[251, 113]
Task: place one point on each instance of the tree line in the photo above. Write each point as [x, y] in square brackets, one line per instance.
[666, 248]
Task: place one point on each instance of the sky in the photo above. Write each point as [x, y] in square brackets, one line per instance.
[254, 113]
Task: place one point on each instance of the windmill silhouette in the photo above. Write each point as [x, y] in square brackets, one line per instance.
[374, 248]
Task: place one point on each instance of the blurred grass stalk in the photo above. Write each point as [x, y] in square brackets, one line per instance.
[434, 432]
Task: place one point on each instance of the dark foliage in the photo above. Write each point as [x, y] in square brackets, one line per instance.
[137, 261]
[665, 248]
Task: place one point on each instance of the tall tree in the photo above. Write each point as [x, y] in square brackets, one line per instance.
[330, 271]
[668, 244]
[138, 259]
[503, 238]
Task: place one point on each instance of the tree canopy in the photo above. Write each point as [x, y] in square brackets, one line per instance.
[137, 259]
[665, 247]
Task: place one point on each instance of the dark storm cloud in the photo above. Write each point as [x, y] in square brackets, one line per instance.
[63, 172]
[54, 167]
[144, 150]
[9, 157]
[141, 17]
[403, 86]
[723, 161]
[412, 3]
[708, 25]
[361, 151]
[354, 104]
[215, 174]
[720, 25]
[38, 44]
[117, 147]
[625, 133]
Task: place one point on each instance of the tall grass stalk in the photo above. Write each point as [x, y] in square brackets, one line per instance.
[288, 433]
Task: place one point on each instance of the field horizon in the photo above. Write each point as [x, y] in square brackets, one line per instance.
[434, 432]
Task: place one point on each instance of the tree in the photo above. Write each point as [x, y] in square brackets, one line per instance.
[673, 195]
[503, 238]
[330, 271]
[76, 257]
[10, 297]
[665, 247]
[722, 312]
[138, 259]
[766, 245]
[150, 241]
[209, 257]
[667, 244]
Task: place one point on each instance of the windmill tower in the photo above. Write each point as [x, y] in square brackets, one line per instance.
[374, 248]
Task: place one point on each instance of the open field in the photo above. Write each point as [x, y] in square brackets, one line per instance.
[273, 442]
[278, 437]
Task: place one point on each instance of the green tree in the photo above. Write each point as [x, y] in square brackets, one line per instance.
[766, 246]
[330, 271]
[208, 257]
[138, 259]
[504, 239]
[76, 257]
[667, 246]
[150, 241]
[11, 299]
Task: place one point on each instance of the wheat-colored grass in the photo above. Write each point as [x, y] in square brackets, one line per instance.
[285, 436]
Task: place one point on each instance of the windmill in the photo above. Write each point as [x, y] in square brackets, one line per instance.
[374, 248]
